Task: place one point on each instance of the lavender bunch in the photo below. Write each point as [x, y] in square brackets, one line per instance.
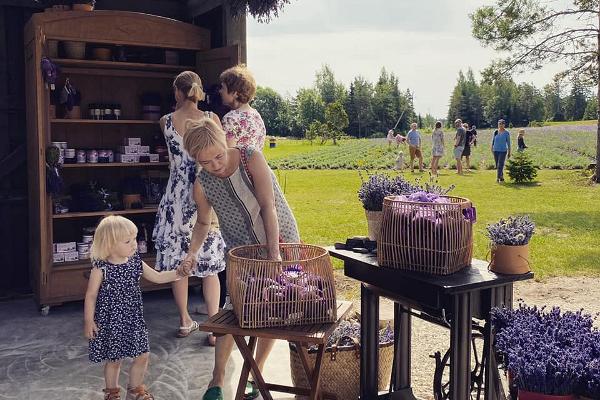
[377, 186]
[350, 329]
[548, 351]
[511, 231]
[591, 385]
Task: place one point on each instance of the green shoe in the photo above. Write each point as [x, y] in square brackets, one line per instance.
[213, 393]
[251, 391]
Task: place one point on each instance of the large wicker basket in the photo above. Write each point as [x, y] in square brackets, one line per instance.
[340, 372]
[298, 290]
[433, 238]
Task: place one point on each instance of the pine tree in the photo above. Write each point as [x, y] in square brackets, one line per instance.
[520, 168]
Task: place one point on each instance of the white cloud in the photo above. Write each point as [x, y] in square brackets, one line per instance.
[425, 49]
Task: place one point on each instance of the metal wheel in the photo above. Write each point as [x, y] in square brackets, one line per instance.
[44, 310]
[441, 376]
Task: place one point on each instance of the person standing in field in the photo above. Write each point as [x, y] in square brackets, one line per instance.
[501, 149]
[414, 146]
[467, 150]
[459, 144]
[437, 148]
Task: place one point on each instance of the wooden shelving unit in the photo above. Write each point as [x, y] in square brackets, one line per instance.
[67, 62]
[115, 165]
[99, 82]
[103, 122]
[145, 210]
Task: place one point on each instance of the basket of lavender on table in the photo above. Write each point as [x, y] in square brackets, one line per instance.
[298, 290]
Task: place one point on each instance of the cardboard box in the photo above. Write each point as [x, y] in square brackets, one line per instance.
[154, 157]
[127, 158]
[129, 149]
[143, 149]
[59, 257]
[132, 141]
[71, 256]
[66, 247]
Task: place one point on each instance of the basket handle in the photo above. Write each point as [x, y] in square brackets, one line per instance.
[355, 345]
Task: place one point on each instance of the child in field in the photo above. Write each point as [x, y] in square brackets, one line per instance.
[521, 140]
[390, 137]
[113, 310]
[399, 161]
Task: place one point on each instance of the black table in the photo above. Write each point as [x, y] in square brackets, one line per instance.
[456, 298]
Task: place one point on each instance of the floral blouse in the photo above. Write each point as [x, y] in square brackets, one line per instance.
[246, 127]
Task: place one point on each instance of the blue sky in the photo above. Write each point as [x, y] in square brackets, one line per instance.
[424, 42]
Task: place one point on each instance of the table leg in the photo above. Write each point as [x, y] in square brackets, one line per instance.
[239, 394]
[315, 382]
[402, 334]
[313, 375]
[249, 357]
[460, 348]
[369, 337]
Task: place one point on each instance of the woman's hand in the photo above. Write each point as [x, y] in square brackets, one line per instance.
[274, 254]
[90, 329]
[187, 266]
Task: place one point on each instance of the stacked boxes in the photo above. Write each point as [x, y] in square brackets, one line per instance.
[71, 251]
[65, 252]
[132, 151]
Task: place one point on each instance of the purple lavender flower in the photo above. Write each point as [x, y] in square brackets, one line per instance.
[548, 351]
[512, 231]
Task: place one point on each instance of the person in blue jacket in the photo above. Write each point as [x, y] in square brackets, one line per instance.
[501, 149]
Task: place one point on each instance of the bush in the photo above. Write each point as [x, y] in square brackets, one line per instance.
[521, 169]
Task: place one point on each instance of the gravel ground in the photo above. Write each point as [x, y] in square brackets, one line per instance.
[568, 293]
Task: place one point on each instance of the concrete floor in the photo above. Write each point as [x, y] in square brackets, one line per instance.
[46, 358]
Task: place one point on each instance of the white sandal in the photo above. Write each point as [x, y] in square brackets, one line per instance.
[193, 326]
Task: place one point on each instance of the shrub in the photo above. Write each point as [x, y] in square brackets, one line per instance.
[521, 169]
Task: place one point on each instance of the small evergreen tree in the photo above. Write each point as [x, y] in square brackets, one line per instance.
[520, 168]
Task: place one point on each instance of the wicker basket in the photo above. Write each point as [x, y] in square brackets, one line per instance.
[340, 372]
[434, 238]
[298, 290]
[374, 223]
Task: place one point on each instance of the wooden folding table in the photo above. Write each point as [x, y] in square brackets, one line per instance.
[226, 323]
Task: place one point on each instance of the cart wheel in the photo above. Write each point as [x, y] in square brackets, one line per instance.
[44, 310]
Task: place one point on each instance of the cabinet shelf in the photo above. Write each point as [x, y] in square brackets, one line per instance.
[116, 164]
[104, 121]
[117, 65]
[149, 210]
[148, 258]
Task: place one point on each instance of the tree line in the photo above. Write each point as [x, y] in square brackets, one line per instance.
[482, 104]
[328, 109]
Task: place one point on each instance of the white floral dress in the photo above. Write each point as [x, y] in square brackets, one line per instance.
[176, 215]
[437, 148]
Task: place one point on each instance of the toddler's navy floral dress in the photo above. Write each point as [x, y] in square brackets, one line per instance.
[119, 312]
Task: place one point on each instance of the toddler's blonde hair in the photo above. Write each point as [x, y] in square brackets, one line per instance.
[202, 133]
[110, 230]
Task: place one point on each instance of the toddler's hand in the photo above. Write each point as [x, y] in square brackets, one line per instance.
[90, 330]
[187, 266]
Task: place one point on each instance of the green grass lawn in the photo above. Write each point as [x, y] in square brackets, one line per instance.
[563, 205]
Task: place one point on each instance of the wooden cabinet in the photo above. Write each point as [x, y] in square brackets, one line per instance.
[121, 82]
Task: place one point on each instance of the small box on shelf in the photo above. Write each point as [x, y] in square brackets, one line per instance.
[134, 149]
[132, 141]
